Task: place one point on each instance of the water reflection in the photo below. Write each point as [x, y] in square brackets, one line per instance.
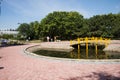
[87, 55]
[92, 52]
[96, 52]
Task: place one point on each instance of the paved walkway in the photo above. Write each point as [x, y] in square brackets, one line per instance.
[15, 65]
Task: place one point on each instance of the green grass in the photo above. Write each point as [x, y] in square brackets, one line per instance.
[35, 41]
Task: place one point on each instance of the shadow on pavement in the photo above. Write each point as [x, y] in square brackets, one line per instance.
[105, 76]
[95, 75]
[1, 67]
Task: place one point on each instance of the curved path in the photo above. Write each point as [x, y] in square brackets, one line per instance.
[15, 65]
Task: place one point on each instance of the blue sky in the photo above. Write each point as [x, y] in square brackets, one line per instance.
[26, 11]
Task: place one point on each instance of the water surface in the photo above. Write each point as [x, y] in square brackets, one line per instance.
[81, 54]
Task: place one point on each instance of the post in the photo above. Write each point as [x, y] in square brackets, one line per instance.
[78, 39]
[70, 42]
[78, 51]
[96, 48]
[78, 44]
[106, 43]
[86, 40]
[78, 48]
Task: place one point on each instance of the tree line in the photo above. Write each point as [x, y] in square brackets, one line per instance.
[70, 25]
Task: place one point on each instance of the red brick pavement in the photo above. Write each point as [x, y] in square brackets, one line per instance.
[14, 65]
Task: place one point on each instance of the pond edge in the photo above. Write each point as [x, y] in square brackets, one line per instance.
[27, 52]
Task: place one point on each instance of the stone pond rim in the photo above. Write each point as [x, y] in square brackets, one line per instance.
[65, 45]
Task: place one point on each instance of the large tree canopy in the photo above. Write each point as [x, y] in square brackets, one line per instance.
[70, 25]
[62, 24]
[105, 25]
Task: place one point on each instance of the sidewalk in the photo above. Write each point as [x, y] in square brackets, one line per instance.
[15, 65]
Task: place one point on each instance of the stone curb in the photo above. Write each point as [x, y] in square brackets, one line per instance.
[70, 60]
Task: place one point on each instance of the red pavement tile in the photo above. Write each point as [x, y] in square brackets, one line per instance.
[18, 66]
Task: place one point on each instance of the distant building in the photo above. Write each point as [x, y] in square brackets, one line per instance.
[9, 32]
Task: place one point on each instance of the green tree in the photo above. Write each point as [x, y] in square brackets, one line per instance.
[70, 25]
[62, 24]
[25, 31]
[7, 36]
[32, 29]
[37, 29]
[107, 25]
[115, 25]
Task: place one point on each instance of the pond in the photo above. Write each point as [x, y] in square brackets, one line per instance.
[80, 54]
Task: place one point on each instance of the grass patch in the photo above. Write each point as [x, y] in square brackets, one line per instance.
[35, 41]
